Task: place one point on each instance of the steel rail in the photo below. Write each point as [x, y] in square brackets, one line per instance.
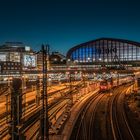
[88, 104]
[114, 118]
[96, 103]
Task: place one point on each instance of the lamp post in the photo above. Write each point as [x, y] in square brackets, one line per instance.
[83, 80]
[38, 90]
[70, 96]
[70, 82]
[89, 60]
[133, 82]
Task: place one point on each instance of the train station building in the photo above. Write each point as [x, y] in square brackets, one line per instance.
[106, 52]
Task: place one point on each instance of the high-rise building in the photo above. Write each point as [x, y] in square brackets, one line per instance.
[17, 57]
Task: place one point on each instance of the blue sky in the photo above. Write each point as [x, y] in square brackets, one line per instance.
[66, 23]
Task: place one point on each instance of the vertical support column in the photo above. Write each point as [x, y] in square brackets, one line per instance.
[38, 91]
[46, 131]
[111, 50]
[42, 97]
[44, 113]
[7, 108]
[16, 109]
[7, 96]
[23, 90]
[103, 50]
[118, 79]
[70, 82]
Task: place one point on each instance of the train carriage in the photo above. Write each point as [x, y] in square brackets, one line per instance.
[107, 84]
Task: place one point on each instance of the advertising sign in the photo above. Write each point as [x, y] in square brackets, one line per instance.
[2, 57]
[29, 61]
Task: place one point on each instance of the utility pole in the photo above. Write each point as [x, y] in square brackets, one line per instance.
[7, 95]
[44, 114]
[16, 109]
[70, 82]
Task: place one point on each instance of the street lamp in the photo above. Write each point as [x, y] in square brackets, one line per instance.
[88, 59]
[70, 96]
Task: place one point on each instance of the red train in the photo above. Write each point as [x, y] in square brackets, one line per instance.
[105, 85]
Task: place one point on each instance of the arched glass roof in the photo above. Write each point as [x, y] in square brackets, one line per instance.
[105, 50]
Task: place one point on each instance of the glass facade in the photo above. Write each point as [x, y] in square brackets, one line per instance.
[105, 50]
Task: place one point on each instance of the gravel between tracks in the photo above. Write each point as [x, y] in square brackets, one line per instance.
[133, 112]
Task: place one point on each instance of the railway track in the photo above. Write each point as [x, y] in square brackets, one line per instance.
[32, 118]
[114, 125]
[114, 120]
[119, 123]
[92, 118]
[81, 132]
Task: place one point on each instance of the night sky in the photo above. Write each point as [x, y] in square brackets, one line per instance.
[66, 23]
